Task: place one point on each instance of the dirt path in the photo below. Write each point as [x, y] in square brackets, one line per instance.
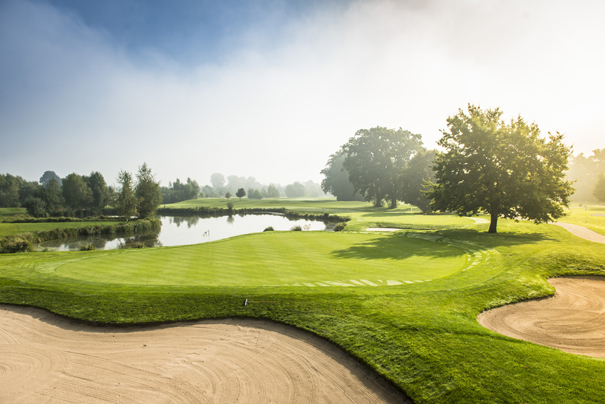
[582, 232]
[573, 320]
[44, 358]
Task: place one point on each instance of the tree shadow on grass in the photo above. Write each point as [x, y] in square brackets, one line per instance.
[399, 247]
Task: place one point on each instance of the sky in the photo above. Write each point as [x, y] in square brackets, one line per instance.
[271, 88]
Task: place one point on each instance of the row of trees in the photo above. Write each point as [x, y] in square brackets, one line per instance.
[75, 192]
[178, 191]
[222, 186]
[487, 165]
[140, 199]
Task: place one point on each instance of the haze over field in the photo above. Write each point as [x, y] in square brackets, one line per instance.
[271, 88]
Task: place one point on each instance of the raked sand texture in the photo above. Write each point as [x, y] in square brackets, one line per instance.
[47, 359]
[573, 320]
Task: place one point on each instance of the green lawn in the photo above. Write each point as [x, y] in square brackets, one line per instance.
[423, 336]
[593, 218]
[6, 212]
[8, 229]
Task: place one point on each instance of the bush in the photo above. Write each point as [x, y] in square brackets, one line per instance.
[270, 228]
[340, 226]
[87, 247]
[296, 228]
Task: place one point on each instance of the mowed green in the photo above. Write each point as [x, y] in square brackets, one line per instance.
[275, 259]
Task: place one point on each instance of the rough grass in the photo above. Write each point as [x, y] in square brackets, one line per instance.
[422, 336]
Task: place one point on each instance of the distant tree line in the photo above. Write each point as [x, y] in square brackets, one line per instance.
[178, 191]
[81, 195]
[228, 186]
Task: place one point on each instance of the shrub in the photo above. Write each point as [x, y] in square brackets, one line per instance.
[87, 247]
[340, 226]
[296, 228]
[270, 228]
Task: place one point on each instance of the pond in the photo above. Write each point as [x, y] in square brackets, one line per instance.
[177, 230]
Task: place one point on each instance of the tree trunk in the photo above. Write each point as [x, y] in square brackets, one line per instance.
[378, 203]
[393, 203]
[493, 223]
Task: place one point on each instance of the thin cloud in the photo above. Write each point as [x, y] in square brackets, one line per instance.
[75, 100]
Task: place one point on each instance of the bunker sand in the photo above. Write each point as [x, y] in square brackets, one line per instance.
[572, 321]
[48, 359]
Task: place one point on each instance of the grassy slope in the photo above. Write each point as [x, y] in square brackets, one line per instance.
[422, 336]
[587, 218]
[8, 229]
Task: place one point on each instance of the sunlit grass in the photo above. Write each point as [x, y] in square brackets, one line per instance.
[423, 336]
[592, 218]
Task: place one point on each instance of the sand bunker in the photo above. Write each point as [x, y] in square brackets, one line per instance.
[573, 320]
[44, 358]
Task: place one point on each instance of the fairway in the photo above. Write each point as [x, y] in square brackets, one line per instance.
[309, 259]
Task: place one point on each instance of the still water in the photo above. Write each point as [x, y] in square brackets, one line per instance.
[186, 230]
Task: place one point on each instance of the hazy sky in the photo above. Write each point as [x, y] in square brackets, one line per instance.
[271, 88]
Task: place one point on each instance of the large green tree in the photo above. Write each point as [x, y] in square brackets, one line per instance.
[76, 192]
[504, 169]
[126, 201]
[376, 157]
[52, 195]
[9, 190]
[336, 181]
[414, 177]
[147, 192]
[98, 187]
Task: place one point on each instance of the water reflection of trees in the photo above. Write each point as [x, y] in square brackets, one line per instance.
[190, 220]
[230, 219]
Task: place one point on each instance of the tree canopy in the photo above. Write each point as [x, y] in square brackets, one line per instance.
[296, 190]
[48, 176]
[584, 170]
[99, 191]
[376, 157]
[413, 178]
[336, 181]
[126, 201]
[76, 192]
[599, 189]
[504, 169]
[147, 192]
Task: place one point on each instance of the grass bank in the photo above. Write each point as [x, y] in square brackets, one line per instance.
[24, 240]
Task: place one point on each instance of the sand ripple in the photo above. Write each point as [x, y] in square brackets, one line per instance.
[47, 359]
[573, 320]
